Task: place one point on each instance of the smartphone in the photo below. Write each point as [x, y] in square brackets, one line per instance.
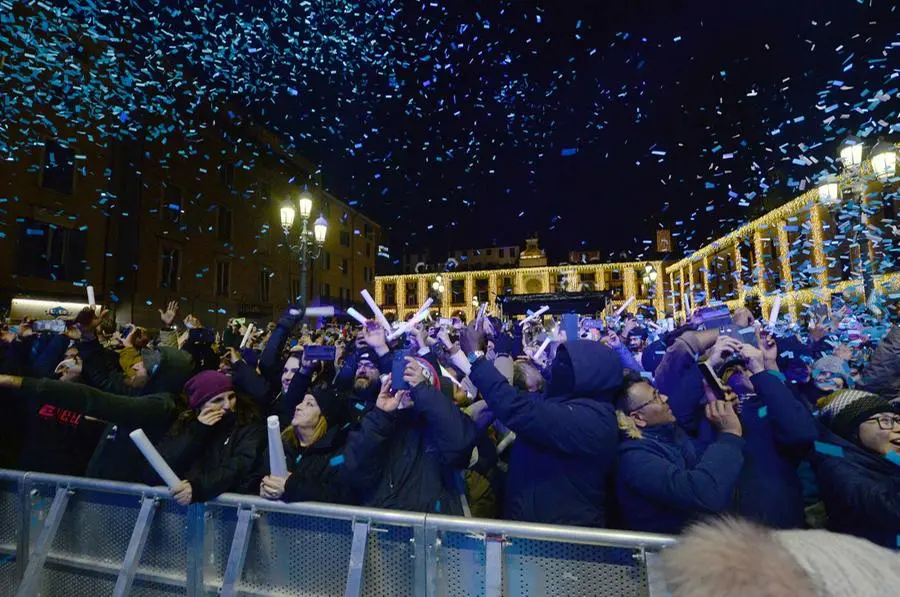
[319, 352]
[570, 325]
[397, 368]
[712, 380]
[715, 317]
[593, 324]
[125, 330]
[57, 326]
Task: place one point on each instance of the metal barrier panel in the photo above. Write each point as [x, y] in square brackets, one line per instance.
[11, 566]
[537, 559]
[88, 551]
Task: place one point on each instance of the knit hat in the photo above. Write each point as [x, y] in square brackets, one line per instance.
[204, 386]
[844, 410]
[832, 364]
[152, 358]
[367, 354]
[330, 402]
[432, 377]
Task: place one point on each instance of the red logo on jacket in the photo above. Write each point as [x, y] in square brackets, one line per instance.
[63, 415]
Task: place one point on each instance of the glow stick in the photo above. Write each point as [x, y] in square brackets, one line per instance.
[277, 462]
[155, 459]
[624, 306]
[408, 325]
[773, 312]
[425, 305]
[90, 295]
[356, 315]
[537, 353]
[376, 311]
[312, 312]
[250, 328]
[471, 390]
[508, 439]
[460, 360]
[536, 314]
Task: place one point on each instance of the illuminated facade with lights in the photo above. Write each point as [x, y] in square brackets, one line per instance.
[829, 239]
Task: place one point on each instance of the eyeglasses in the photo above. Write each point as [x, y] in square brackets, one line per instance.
[886, 422]
[657, 397]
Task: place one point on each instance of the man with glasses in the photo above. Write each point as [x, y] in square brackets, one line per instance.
[858, 465]
[661, 483]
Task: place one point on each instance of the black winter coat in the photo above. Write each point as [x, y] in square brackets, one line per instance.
[315, 470]
[215, 459]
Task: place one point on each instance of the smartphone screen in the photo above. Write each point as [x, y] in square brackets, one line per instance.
[319, 352]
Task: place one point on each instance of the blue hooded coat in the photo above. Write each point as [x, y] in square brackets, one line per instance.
[566, 441]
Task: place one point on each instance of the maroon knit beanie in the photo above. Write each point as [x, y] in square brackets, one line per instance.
[206, 385]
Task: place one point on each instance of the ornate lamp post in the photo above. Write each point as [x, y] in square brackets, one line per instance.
[302, 248]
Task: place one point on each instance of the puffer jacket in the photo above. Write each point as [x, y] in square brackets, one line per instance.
[566, 441]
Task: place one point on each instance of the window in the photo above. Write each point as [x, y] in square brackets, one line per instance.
[223, 223]
[344, 266]
[588, 281]
[412, 289]
[368, 250]
[172, 207]
[507, 284]
[58, 169]
[265, 280]
[490, 252]
[170, 268]
[367, 230]
[326, 260]
[345, 238]
[223, 278]
[501, 253]
[48, 251]
[390, 294]
[226, 174]
[326, 208]
[481, 290]
[457, 292]
[326, 290]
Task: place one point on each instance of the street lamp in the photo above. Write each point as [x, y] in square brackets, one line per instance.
[884, 160]
[307, 237]
[829, 193]
[851, 151]
[649, 279]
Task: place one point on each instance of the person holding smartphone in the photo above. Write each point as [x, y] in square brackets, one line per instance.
[662, 484]
[407, 449]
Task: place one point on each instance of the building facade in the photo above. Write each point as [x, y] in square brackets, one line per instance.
[830, 239]
[400, 296]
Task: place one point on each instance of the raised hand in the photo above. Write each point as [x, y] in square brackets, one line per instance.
[721, 414]
[168, 316]
[386, 401]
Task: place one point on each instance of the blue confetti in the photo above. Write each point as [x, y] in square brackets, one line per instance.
[829, 449]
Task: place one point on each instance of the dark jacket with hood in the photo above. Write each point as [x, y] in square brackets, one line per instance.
[411, 459]
[566, 441]
[882, 376]
[861, 490]
[316, 470]
[215, 459]
[662, 485]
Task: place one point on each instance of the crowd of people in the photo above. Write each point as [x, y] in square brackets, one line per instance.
[636, 424]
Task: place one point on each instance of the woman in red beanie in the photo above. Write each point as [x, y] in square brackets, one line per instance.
[216, 445]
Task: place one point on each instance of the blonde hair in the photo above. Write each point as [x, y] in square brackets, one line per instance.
[628, 425]
[289, 435]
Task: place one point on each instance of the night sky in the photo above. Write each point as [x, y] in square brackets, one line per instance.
[465, 124]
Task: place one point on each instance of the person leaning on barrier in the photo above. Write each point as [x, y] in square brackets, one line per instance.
[215, 446]
[661, 483]
[313, 446]
[566, 441]
[408, 450]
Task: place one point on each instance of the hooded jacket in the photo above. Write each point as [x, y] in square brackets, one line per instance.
[411, 459]
[566, 441]
[315, 470]
[662, 485]
[861, 491]
[882, 376]
[214, 458]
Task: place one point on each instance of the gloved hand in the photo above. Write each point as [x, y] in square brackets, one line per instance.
[291, 316]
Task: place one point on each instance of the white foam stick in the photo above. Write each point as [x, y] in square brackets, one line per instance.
[536, 314]
[408, 325]
[425, 305]
[155, 459]
[356, 315]
[507, 440]
[537, 353]
[460, 360]
[624, 305]
[379, 316]
[469, 387]
[312, 312]
[773, 312]
[277, 461]
[90, 295]
[247, 334]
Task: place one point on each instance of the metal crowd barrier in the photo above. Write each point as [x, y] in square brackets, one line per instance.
[72, 536]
